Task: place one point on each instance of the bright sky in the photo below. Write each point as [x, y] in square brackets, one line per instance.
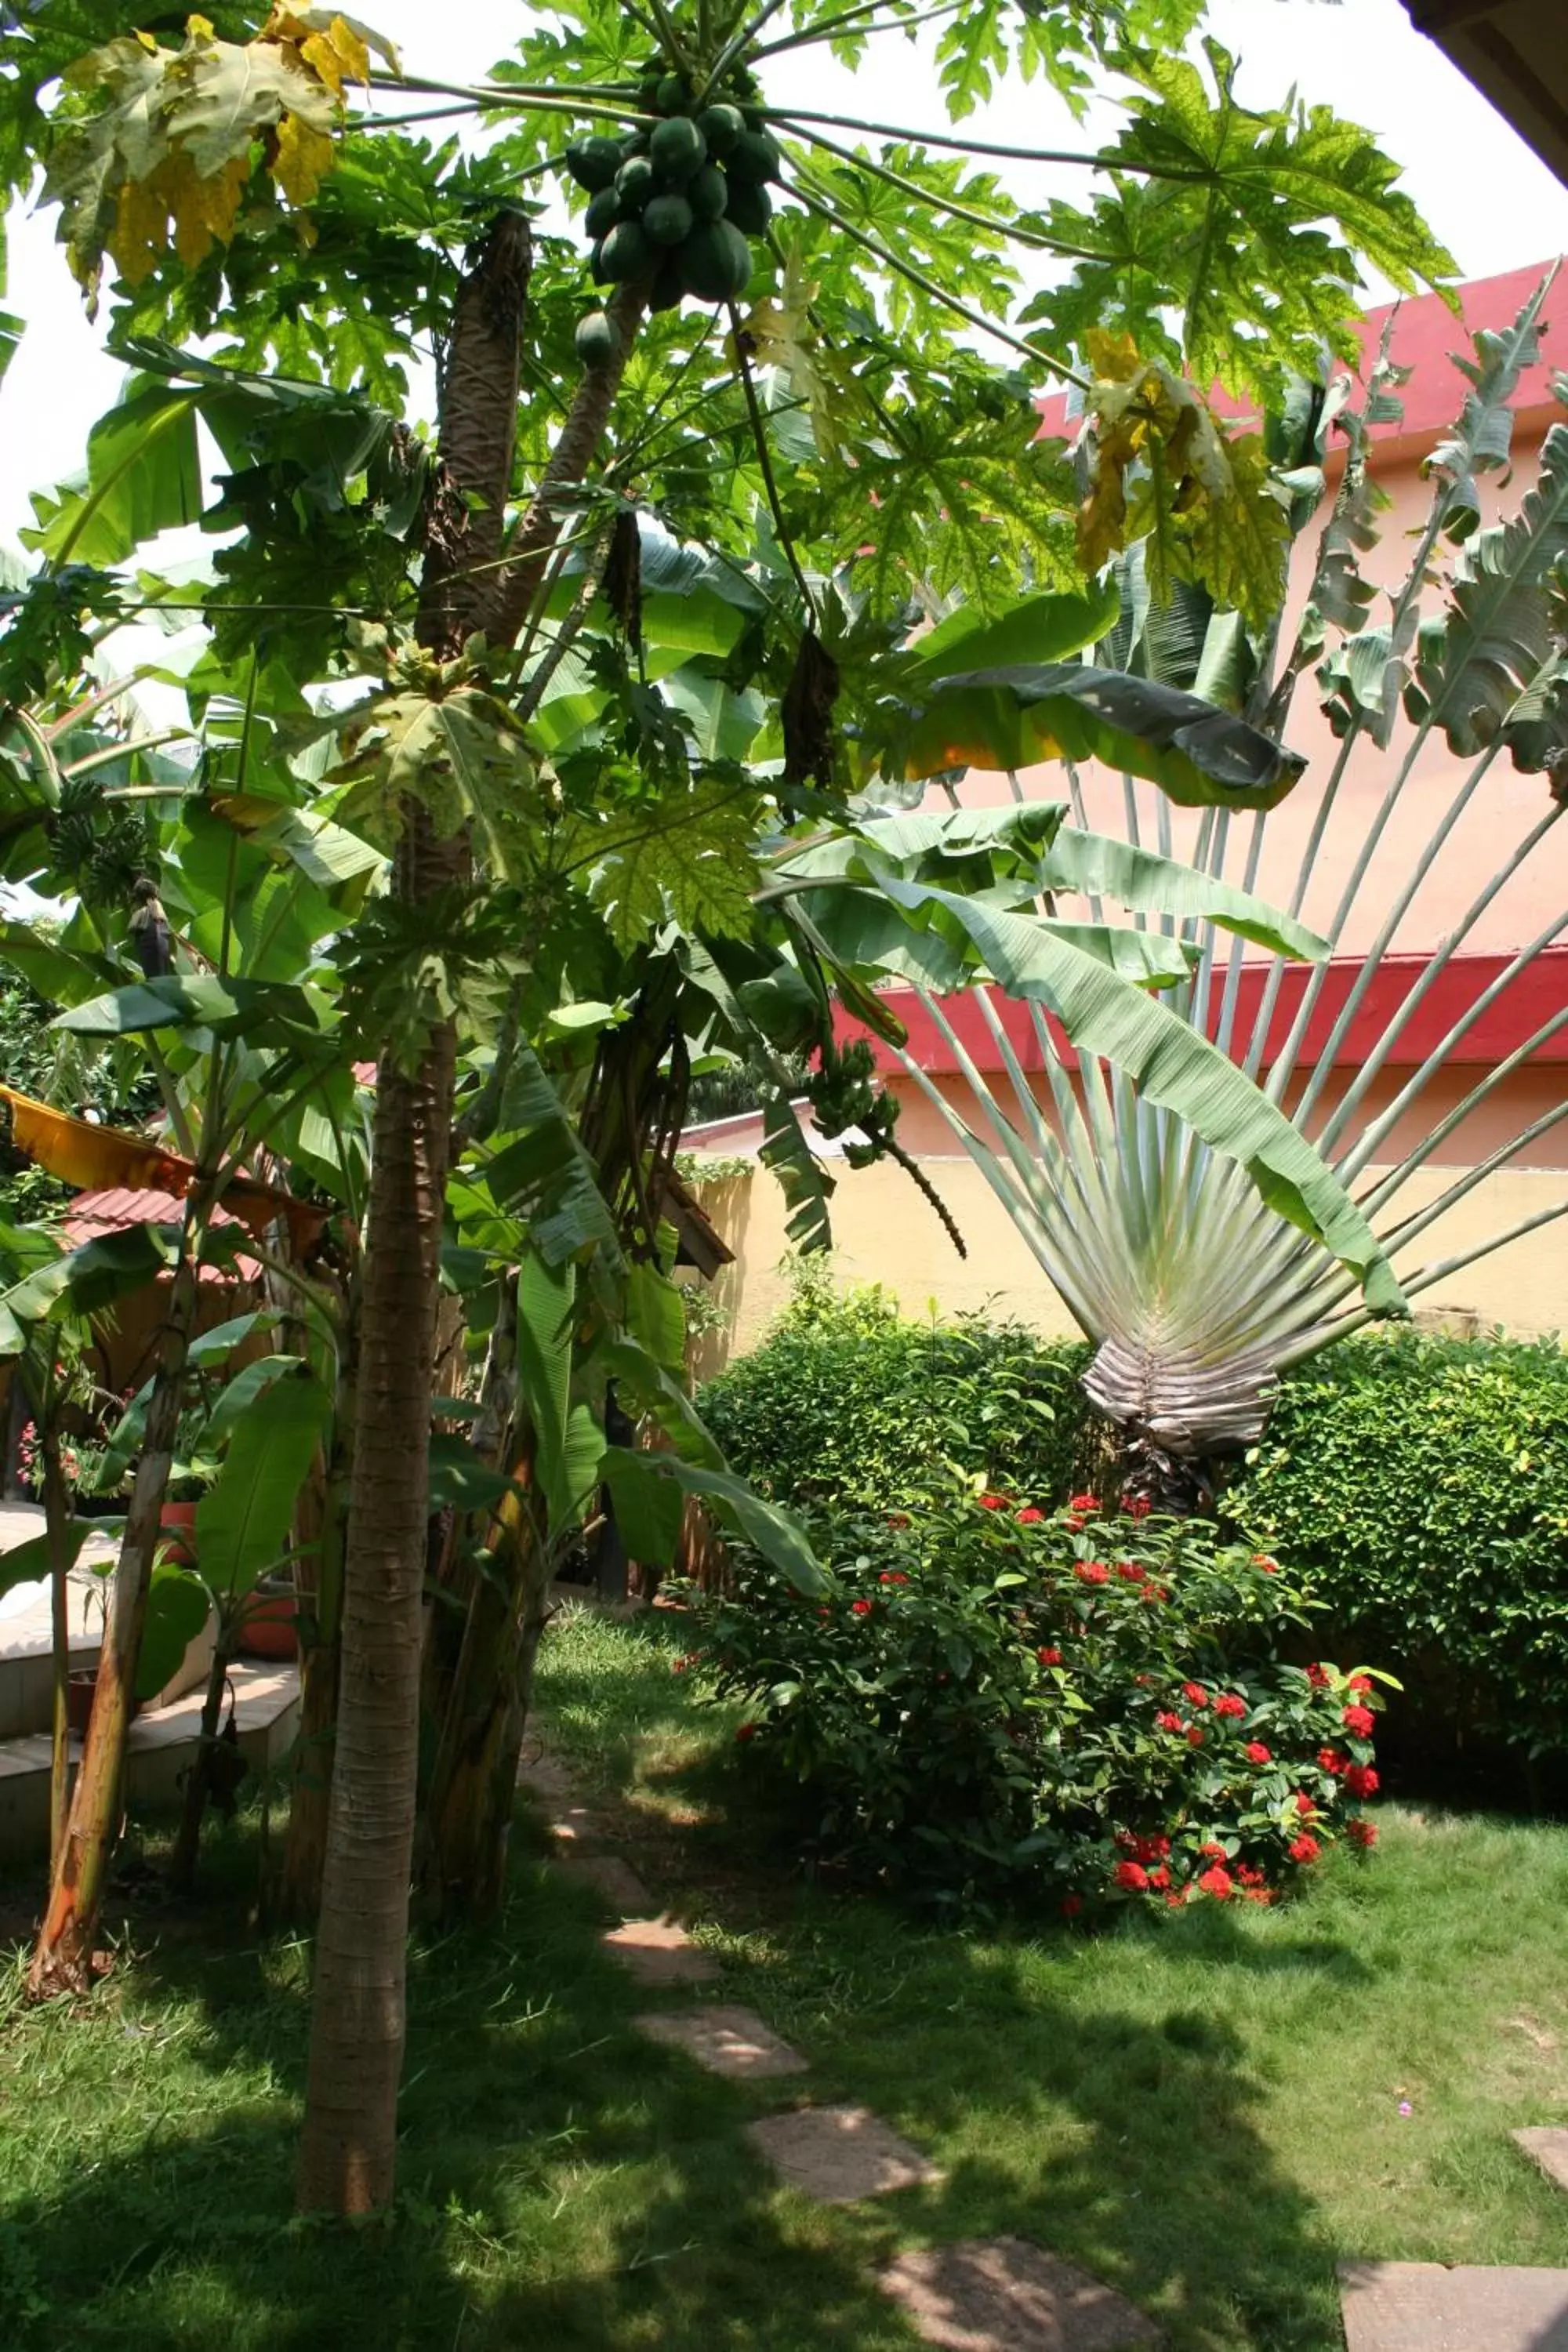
[1484, 193]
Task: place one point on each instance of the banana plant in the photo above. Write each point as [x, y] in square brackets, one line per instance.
[1198, 1283]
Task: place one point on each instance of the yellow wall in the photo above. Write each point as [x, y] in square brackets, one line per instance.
[884, 1231]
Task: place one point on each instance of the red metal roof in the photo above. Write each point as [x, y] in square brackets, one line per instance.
[93, 1214]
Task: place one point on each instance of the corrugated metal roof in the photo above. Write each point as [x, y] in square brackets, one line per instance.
[93, 1214]
[1516, 54]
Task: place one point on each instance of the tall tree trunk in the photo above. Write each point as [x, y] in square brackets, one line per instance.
[318, 1529]
[348, 2151]
[62, 1961]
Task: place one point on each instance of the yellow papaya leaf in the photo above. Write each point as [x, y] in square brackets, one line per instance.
[338, 55]
[141, 233]
[204, 208]
[301, 160]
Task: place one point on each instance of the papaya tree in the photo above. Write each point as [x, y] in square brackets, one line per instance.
[825, 391]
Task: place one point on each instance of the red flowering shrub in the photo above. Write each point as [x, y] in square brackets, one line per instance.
[1014, 1711]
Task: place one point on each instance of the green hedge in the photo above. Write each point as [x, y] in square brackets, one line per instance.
[1418, 1486]
[846, 1405]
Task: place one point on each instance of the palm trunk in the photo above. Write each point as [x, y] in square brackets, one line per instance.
[62, 1961]
[348, 2153]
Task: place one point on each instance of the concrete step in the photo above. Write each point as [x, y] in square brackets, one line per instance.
[163, 1745]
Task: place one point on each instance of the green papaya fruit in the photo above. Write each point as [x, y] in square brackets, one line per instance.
[753, 118]
[678, 148]
[716, 262]
[721, 126]
[707, 193]
[596, 341]
[669, 284]
[627, 254]
[647, 92]
[756, 156]
[670, 96]
[634, 143]
[667, 220]
[593, 163]
[596, 269]
[603, 210]
[750, 206]
[635, 182]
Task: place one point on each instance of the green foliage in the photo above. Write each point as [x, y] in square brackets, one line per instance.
[1419, 1483]
[1233, 220]
[986, 1694]
[846, 1404]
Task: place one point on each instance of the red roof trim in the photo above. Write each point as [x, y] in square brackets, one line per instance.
[1425, 332]
[1525, 1006]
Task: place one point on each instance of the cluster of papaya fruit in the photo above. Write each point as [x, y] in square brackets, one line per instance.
[673, 204]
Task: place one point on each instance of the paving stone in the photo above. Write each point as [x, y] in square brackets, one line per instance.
[659, 1952]
[544, 1777]
[1428, 2307]
[1004, 2295]
[576, 1827]
[726, 2040]
[1547, 2145]
[839, 2154]
[615, 1880]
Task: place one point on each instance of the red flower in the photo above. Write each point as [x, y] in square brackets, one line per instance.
[1194, 1735]
[1132, 1876]
[898, 1518]
[1248, 1875]
[1319, 1677]
[1169, 1722]
[1155, 1592]
[1304, 1848]
[993, 1502]
[1150, 1849]
[1211, 1850]
[1361, 1685]
[1030, 1517]
[892, 1576]
[861, 1608]
[1361, 1780]
[1175, 1902]
[1303, 1803]
[1160, 1879]
[1269, 1567]
[1260, 1894]
[1358, 1721]
[1217, 1883]
[1332, 1762]
[1362, 1833]
[1194, 1694]
[1092, 1571]
[1050, 1657]
[1256, 1752]
[1130, 1573]
[824, 1611]
[1088, 1504]
[1071, 1905]
[1227, 1703]
[1138, 1507]
[745, 1731]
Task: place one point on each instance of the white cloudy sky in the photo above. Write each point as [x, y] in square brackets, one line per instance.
[1481, 189]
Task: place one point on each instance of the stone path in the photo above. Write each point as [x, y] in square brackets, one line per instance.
[1547, 2146]
[1428, 2307]
[1000, 2294]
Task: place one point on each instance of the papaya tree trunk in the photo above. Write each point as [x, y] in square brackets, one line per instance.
[347, 2156]
[318, 1531]
[348, 2151]
[62, 1960]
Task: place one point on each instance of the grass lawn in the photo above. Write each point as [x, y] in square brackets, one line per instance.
[1203, 2109]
